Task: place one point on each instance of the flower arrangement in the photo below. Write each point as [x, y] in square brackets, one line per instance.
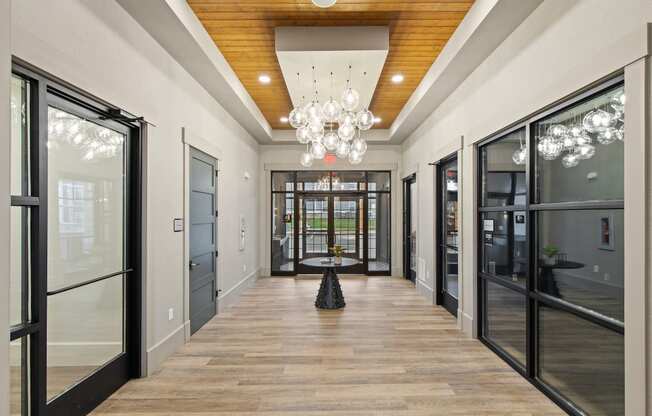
[336, 251]
[550, 251]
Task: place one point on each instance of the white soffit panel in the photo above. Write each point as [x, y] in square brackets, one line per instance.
[331, 49]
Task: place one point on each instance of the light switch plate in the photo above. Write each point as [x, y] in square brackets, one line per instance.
[177, 225]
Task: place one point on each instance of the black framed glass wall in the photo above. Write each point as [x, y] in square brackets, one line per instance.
[75, 248]
[314, 210]
[551, 246]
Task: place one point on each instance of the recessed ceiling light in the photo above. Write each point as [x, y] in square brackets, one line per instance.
[324, 3]
[264, 79]
[397, 78]
[377, 119]
[284, 119]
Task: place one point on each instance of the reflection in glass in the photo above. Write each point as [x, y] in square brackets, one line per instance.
[19, 172]
[348, 181]
[283, 181]
[413, 227]
[583, 361]
[378, 181]
[313, 180]
[86, 202]
[347, 223]
[450, 224]
[19, 376]
[313, 227]
[505, 319]
[74, 351]
[581, 258]
[580, 151]
[378, 224]
[503, 181]
[504, 245]
[19, 275]
[283, 232]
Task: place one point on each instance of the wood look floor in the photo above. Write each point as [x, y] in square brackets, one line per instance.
[387, 353]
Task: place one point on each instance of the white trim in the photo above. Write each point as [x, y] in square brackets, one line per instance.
[424, 289]
[164, 348]
[190, 139]
[231, 296]
[635, 228]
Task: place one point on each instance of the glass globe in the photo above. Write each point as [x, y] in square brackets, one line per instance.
[303, 135]
[343, 149]
[346, 132]
[306, 159]
[350, 99]
[618, 101]
[568, 142]
[317, 150]
[620, 133]
[315, 131]
[520, 156]
[570, 160]
[575, 131]
[330, 141]
[314, 112]
[558, 131]
[346, 117]
[607, 136]
[549, 147]
[359, 146]
[297, 118]
[355, 157]
[585, 151]
[597, 120]
[331, 110]
[365, 120]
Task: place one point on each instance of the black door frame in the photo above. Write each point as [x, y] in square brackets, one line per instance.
[408, 273]
[330, 197]
[442, 297]
[96, 387]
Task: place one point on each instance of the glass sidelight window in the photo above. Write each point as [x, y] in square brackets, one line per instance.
[448, 237]
[314, 210]
[551, 264]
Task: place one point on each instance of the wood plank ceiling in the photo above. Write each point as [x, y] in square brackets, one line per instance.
[243, 30]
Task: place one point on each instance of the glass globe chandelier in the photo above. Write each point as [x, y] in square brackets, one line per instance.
[573, 139]
[332, 127]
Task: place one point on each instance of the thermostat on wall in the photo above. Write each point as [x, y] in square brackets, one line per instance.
[177, 225]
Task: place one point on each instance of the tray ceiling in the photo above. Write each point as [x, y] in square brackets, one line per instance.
[243, 30]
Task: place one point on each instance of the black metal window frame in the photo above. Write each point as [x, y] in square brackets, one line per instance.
[44, 90]
[297, 193]
[407, 226]
[533, 298]
[441, 295]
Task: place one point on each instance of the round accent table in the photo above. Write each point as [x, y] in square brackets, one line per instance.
[330, 292]
[548, 282]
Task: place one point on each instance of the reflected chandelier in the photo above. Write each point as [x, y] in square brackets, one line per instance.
[332, 127]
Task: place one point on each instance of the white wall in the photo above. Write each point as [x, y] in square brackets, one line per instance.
[286, 157]
[98, 47]
[5, 68]
[561, 47]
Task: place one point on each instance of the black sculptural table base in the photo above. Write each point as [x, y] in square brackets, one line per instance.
[330, 292]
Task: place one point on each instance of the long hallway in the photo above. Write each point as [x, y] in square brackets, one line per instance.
[388, 352]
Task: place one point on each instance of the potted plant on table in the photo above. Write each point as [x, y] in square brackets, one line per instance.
[549, 254]
[337, 251]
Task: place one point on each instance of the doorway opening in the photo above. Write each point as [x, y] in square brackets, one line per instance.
[410, 227]
[313, 211]
[448, 220]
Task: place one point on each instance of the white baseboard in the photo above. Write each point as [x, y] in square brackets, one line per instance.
[425, 290]
[164, 348]
[397, 272]
[231, 296]
[468, 324]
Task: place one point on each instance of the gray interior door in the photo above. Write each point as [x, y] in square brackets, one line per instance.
[203, 235]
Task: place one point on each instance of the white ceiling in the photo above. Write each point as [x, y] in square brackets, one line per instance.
[299, 49]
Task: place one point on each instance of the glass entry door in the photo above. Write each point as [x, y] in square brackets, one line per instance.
[410, 227]
[327, 220]
[448, 235]
[77, 222]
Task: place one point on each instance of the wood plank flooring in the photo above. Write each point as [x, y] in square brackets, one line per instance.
[387, 353]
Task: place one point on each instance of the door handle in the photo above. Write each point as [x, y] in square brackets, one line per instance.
[193, 265]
